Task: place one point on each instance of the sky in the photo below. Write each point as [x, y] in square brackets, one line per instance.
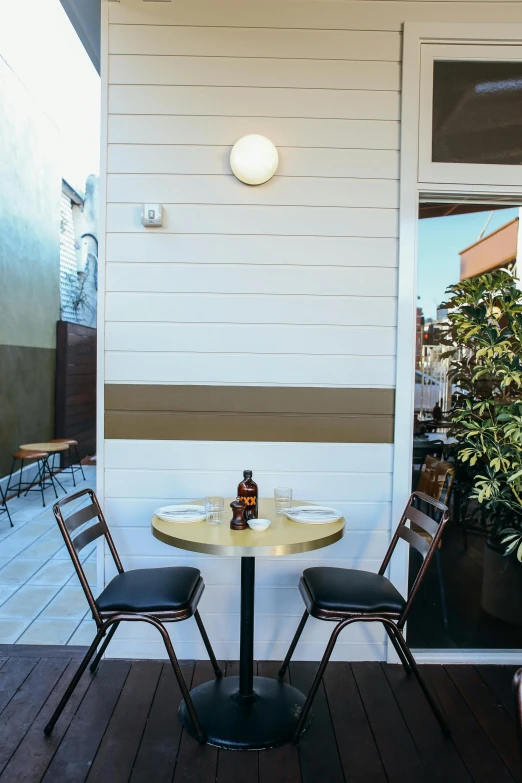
[439, 242]
[41, 46]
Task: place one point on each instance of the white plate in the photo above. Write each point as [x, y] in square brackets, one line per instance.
[313, 515]
[181, 513]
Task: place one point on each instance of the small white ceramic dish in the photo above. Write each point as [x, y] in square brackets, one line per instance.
[259, 524]
[181, 513]
[313, 515]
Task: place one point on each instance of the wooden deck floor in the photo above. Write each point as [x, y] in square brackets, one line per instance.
[371, 724]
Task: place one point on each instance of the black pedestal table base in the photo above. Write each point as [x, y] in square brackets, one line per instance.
[265, 719]
[245, 712]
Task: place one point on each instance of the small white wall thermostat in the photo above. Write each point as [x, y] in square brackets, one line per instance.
[152, 215]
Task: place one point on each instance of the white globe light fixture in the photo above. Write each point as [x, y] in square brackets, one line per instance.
[254, 159]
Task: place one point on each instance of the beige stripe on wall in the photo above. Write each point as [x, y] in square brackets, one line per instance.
[248, 413]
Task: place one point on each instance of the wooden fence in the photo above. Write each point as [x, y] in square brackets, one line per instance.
[75, 415]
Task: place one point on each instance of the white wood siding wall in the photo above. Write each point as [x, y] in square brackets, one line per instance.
[291, 283]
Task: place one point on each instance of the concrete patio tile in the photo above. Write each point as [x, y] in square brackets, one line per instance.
[54, 572]
[90, 570]
[27, 602]
[48, 632]
[53, 534]
[11, 546]
[10, 630]
[6, 591]
[43, 549]
[84, 634]
[69, 603]
[4, 561]
[5, 527]
[31, 531]
[62, 554]
[19, 570]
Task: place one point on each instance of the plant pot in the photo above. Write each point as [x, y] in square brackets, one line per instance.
[502, 584]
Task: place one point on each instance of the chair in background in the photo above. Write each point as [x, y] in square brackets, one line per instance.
[151, 595]
[75, 464]
[423, 448]
[346, 596]
[44, 474]
[436, 480]
[3, 502]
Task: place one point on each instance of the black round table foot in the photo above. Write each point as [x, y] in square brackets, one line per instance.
[267, 719]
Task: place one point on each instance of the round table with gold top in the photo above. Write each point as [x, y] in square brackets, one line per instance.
[247, 712]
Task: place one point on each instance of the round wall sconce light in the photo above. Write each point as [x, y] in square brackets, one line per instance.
[254, 159]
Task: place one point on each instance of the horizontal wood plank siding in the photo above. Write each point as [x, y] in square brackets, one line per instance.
[284, 192]
[214, 159]
[235, 249]
[327, 15]
[283, 131]
[259, 219]
[247, 42]
[262, 101]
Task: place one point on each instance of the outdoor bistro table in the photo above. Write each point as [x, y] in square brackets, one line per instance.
[247, 712]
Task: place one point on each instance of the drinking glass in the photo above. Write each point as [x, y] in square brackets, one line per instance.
[214, 508]
[282, 499]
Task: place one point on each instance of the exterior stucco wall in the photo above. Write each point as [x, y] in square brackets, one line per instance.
[30, 189]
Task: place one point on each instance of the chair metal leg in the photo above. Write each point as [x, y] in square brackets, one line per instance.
[55, 479]
[179, 676]
[319, 676]
[420, 679]
[398, 650]
[10, 477]
[284, 667]
[20, 476]
[94, 665]
[40, 480]
[208, 646]
[79, 461]
[71, 465]
[75, 680]
[3, 502]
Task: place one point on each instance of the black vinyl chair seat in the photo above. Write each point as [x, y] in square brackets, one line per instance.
[347, 590]
[150, 590]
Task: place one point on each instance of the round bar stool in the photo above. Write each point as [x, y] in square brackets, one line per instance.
[41, 458]
[47, 474]
[74, 457]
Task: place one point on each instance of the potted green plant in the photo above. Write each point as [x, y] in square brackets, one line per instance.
[485, 340]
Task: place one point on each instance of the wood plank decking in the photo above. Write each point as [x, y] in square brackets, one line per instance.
[371, 725]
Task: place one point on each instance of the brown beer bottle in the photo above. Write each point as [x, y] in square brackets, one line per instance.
[247, 492]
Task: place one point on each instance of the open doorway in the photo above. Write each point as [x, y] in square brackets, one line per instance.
[464, 601]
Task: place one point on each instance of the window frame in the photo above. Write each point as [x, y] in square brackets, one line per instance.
[462, 173]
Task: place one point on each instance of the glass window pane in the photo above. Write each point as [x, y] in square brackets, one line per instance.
[477, 112]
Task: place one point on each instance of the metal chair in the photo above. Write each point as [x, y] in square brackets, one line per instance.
[436, 480]
[75, 464]
[151, 595]
[346, 596]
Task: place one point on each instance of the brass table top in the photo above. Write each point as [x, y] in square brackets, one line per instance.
[283, 537]
[49, 447]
